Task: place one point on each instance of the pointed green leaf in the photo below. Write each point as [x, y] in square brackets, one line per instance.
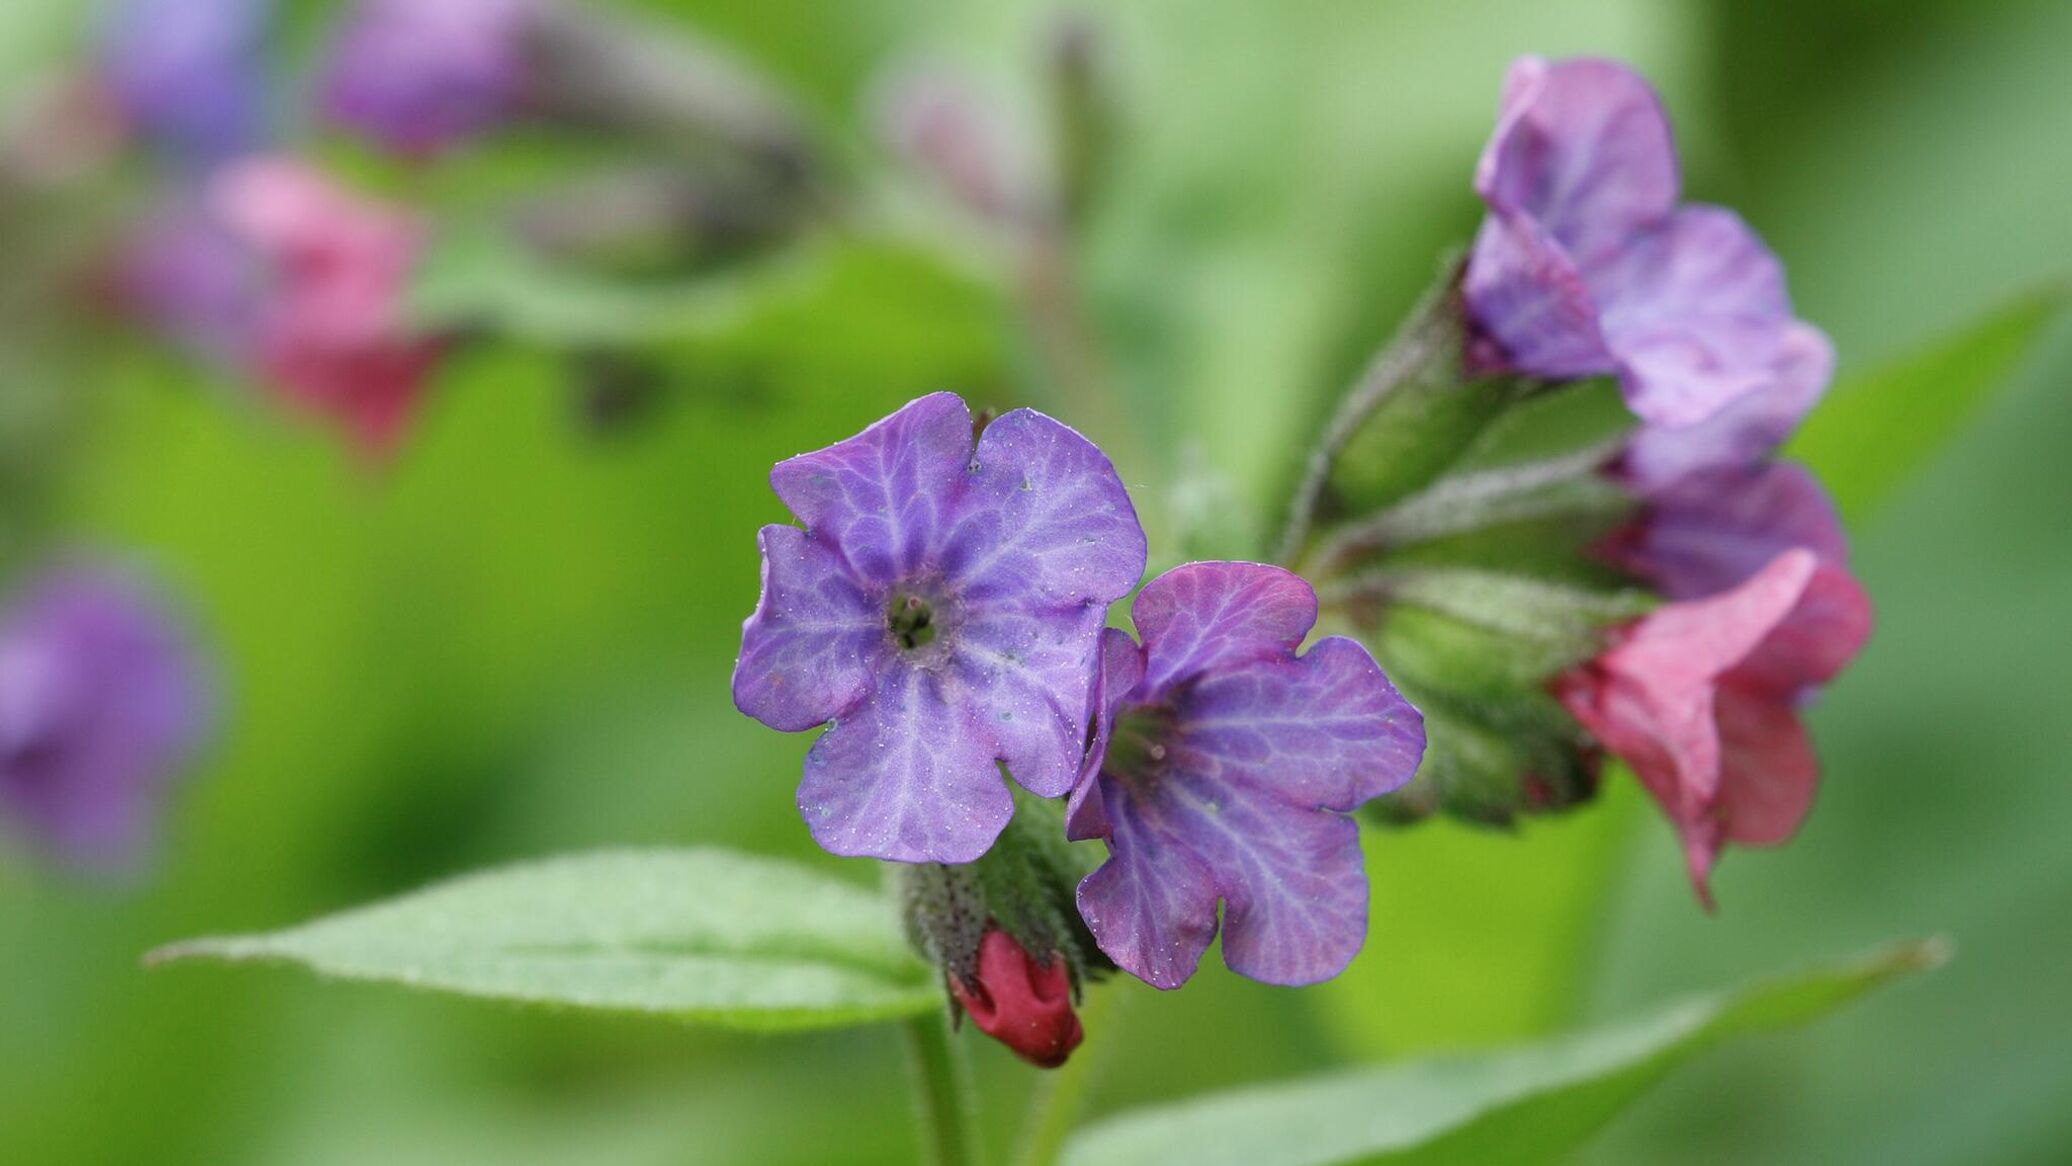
[1528, 1104]
[1877, 427]
[700, 935]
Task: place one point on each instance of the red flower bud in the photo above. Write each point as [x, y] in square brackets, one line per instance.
[1021, 1002]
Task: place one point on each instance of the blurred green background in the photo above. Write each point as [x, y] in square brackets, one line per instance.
[517, 642]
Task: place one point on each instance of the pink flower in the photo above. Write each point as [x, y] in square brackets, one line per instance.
[331, 338]
[1702, 698]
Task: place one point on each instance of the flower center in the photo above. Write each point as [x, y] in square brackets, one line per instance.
[911, 620]
[1140, 743]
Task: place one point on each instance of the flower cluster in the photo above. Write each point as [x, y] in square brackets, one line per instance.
[275, 269]
[1587, 265]
[1668, 593]
[258, 260]
[942, 612]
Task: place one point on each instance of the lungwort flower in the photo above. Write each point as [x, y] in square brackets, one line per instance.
[1702, 698]
[333, 340]
[1587, 266]
[188, 75]
[939, 612]
[102, 702]
[421, 76]
[1222, 768]
[279, 271]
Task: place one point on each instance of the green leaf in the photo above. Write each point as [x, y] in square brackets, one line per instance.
[1526, 1104]
[700, 935]
[1877, 427]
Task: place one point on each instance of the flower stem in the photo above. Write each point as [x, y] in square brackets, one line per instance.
[1399, 362]
[1055, 1105]
[1563, 486]
[942, 1093]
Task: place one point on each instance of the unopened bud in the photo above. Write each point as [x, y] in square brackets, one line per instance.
[1021, 1000]
[1007, 934]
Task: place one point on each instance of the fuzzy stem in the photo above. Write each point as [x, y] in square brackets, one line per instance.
[1556, 487]
[1406, 355]
[943, 1104]
[1059, 1096]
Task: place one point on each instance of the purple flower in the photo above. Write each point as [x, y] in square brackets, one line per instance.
[1743, 433]
[187, 73]
[1586, 265]
[1706, 533]
[420, 76]
[940, 612]
[1222, 767]
[185, 274]
[101, 703]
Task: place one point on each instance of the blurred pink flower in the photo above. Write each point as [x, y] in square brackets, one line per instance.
[1702, 698]
[331, 337]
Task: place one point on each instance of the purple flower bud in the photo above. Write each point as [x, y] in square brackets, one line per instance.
[1222, 767]
[421, 76]
[940, 612]
[102, 702]
[188, 74]
[1586, 265]
[943, 128]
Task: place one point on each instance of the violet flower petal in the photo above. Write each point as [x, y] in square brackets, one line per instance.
[1745, 431]
[1583, 148]
[897, 779]
[1195, 620]
[1695, 312]
[877, 496]
[1024, 680]
[810, 648]
[1043, 518]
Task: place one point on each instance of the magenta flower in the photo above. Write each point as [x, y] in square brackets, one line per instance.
[1708, 532]
[102, 702]
[421, 76]
[332, 338]
[1222, 767]
[1586, 265]
[188, 74]
[940, 613]
[1702, 700]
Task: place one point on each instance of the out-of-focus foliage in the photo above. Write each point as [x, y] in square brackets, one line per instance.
[517, 642]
